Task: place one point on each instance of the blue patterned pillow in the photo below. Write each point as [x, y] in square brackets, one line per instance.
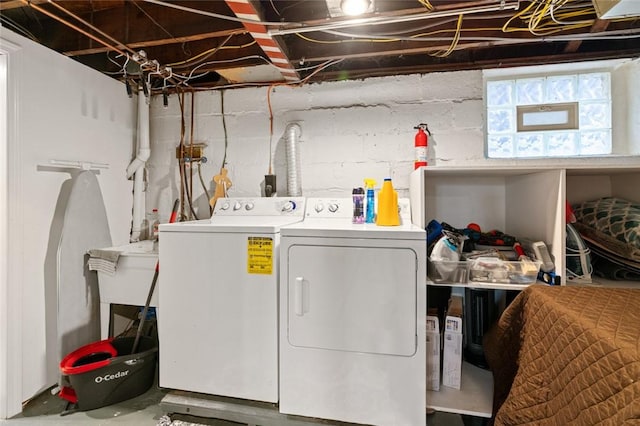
[615, 217]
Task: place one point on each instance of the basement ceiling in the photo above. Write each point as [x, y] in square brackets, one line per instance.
[235, 43]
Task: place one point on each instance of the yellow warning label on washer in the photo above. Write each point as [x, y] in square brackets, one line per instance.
[260, 255]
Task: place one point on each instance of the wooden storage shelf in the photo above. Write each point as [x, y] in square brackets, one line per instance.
[521, 201]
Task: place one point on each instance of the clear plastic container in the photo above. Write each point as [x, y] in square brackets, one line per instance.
[483, 270]
[448, 271]
[494, 270]
[153, 221]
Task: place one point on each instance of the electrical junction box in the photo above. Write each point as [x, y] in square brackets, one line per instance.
[190, 152]
[611, 9]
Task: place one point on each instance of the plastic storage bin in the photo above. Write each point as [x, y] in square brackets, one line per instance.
[105, 372]
[493, 270]
[483, 270]
[448, 271]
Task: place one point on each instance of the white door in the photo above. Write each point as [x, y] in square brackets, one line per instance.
[359, 299]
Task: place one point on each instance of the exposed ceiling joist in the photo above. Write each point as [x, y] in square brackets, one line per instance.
[161, 42]
[598, 26]
[205, 42]
[269, 45]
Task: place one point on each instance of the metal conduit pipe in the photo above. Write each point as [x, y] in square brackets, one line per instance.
[291, 135]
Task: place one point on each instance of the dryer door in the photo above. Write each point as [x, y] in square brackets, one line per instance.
[360, 299]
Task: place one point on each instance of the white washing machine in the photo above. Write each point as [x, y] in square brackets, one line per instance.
[352, 309]
[218, 294]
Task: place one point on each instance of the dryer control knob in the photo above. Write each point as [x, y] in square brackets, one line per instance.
[333, 207]
[289, 206]
[224, 206]
[237, 205]
[319, 207]
[249, 206]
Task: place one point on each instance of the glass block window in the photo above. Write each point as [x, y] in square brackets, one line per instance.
[592, 93]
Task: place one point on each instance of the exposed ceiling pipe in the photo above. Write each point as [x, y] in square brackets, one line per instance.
[72, 26]
[121, 48]
[136, 169]
[382, 20]
[94, 28]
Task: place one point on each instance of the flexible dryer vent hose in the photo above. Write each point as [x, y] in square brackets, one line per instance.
[291, 135]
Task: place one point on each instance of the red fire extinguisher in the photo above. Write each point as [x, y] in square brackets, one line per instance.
[421, 143]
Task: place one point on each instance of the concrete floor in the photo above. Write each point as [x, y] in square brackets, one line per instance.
[45, 409]
[144, 410]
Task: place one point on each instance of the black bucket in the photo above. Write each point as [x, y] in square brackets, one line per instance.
[105, 372]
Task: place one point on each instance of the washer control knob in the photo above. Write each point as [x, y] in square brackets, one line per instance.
[319, 207]
[333, 207]
[224, 206]
[249, 206]
[237, 205]
[289, 206]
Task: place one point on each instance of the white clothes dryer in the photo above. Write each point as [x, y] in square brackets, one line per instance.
[218, 294]
[352, 317]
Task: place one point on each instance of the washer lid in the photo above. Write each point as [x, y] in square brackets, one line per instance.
[238, 224]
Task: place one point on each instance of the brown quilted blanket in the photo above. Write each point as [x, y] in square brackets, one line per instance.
[567, 356]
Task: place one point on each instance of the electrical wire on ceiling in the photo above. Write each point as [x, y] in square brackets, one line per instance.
[426, 37]
[157, 24]
[542, 18]
[191, 128]
[426, 3]
[150, 67]
[17, 27]
[215, 15]
[244, 58]
[454, 42]
[275, 9]
[194, 60]
[394, 19]
[551, 16]
[204, 55]
[224, 127]
[181, 147]
[545, 19]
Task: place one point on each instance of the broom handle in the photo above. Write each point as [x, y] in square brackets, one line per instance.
[174, 214]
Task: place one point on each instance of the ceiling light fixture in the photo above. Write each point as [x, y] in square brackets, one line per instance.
[354, 7]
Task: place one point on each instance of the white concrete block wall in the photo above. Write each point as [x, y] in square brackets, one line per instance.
[350, 130]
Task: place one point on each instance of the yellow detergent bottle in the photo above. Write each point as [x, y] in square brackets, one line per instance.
[388, 205]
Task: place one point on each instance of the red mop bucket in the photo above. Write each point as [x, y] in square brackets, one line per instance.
[105, 372]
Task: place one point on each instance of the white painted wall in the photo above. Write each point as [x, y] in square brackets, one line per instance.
[58, 109]
[350, 130]
[629, 73]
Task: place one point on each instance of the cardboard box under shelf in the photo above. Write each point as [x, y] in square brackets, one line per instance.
[433, 352]
[452, 346]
